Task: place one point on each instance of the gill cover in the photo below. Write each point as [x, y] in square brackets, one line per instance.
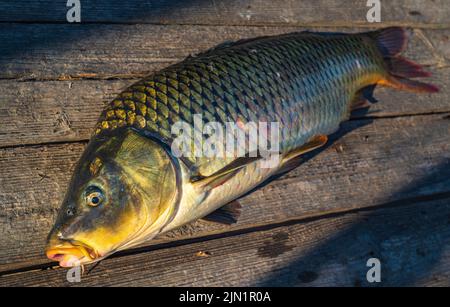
[151, 169]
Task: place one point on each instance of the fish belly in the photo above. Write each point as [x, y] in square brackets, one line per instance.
[193, 207]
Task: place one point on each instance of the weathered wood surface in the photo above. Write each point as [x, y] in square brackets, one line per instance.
[231, 12]
[33, 112]
[382, 189]
[412, 243]
[367, 166]
[38, 112]
[62, 51]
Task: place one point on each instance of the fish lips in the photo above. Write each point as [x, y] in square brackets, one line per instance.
[71, 253]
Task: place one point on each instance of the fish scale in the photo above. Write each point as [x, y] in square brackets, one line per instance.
[303, 81]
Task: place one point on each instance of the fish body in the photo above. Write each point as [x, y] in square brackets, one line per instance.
[304, 81]
[308, 83]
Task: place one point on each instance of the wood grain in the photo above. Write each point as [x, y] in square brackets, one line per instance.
[380, 189]
[367, 165]
[35, 112]
[38, 112]
[412, 243]
[62, 51]
[234, 12]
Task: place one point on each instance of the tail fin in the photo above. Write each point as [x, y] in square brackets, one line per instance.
[391, 42]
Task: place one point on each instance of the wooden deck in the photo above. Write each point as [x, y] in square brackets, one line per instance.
[380, 189]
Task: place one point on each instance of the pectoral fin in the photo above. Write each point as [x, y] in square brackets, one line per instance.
[222, 175]
[314, 143]
[227, 214]
[293, 159]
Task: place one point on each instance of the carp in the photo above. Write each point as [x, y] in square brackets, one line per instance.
[129, 186]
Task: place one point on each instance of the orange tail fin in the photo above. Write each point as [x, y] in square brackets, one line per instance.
[391, 42]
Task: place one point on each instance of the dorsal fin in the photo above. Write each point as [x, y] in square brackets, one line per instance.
[229, 44]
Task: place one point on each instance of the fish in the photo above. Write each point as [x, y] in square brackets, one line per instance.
[131, 183]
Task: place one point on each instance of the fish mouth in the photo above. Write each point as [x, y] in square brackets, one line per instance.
[70, 254]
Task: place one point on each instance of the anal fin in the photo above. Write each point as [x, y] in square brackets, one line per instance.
[227, 214]
[363, 98]
[360, 103]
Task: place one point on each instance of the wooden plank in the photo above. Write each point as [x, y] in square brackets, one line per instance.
[37, 112]
[412, 243]
[55, 51]
[237, 12]
[368, 164]
[34, 112]
[55, 111]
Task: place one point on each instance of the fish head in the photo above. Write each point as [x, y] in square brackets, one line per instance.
[124, 191]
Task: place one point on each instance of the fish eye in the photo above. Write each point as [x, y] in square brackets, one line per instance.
[94, 196]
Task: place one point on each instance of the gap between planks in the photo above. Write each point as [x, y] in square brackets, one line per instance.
[222, 12]
[330, 24]
[93, 53]
[134, 77]
[352, 118]
[411, 201]
[284, 256]
[349, 168]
